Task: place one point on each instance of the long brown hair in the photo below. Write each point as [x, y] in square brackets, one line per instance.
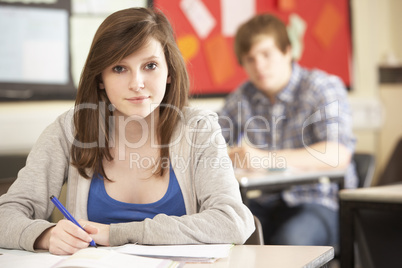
[121, 34]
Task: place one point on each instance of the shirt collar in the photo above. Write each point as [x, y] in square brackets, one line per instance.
[287, 94]
[258, 95]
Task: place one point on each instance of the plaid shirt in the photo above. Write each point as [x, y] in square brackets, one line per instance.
[312, 108]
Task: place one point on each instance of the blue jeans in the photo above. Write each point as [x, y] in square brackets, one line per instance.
[306, 224]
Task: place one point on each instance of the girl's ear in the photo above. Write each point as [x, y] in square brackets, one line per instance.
[101, 86]
[169, 80]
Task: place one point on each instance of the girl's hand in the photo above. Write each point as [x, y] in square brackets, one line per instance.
[65, 238]
[99, 232]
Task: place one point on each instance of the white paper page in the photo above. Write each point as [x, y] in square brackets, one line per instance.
[34, 45]
[199, 17]
[99, 258]
[31, 260]
[234, 13]
[189, 251]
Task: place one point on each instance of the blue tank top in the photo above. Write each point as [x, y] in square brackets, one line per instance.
[104, 209]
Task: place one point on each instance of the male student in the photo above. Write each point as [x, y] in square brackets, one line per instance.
[287, 116]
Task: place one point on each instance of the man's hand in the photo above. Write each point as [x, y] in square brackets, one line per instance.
[329, 155]
[248, 157]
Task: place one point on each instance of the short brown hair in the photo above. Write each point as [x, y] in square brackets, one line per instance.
[260, 25]
[121, 34]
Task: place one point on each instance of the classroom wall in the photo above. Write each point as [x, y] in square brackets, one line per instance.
[378, 41]
[376, 107]
[390, 94]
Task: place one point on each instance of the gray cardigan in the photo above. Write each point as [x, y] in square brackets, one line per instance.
[214, 209]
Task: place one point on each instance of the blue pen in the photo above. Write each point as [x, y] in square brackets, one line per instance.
[67, 214]
[239, 138]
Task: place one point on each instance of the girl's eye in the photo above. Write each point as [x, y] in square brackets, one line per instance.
[150, 66]
[118, 69]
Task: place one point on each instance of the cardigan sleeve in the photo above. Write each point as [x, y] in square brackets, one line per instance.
[25, 208]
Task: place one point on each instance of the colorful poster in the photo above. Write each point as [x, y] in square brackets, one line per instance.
[319, 31]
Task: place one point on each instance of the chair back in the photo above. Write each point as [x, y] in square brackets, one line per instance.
[365, 166]
[256, 238]
[393, 170]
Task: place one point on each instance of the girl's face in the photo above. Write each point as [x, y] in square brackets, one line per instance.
[136, 85]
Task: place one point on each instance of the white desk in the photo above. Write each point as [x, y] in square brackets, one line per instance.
[250, 256]
[273, 256]
[275, 181]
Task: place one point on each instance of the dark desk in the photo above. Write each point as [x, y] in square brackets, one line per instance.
[372, 218]
[9, 167]
[11, 164]
[275, 181]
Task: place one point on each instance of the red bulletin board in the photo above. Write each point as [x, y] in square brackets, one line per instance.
[211, 61]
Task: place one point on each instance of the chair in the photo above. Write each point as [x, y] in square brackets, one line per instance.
[365, 166]
[256, 238]
[393, 170]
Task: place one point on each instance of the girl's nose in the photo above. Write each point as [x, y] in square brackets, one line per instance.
[136, 82]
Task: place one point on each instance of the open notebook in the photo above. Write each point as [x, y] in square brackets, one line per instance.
[183, 253]
[130, 255]
[99, 258]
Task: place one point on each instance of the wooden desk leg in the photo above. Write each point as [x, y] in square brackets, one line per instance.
[347, 235]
